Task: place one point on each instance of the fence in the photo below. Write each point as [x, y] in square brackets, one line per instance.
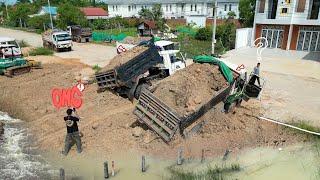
[102, 36]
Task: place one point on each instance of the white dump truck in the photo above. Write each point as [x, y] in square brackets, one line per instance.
[57, 40]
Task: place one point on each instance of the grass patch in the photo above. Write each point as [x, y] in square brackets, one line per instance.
[192, 47]
[96, 68]
[212, 173]
[127, 31]
[41, 51]
[306, 126]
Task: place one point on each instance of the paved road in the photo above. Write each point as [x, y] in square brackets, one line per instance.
[292, 82]
[88, 53]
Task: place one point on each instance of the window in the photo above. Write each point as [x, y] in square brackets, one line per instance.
[129, 8]
[225, 7]
[117, 8]
[191, 7]
[284, 10]
[261, 6]
[113, 8]
[230, 7]
[167, 7]
[195, 7]
[301, 5]
[170, 8]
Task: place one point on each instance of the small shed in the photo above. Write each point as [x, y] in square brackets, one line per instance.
[147, 28]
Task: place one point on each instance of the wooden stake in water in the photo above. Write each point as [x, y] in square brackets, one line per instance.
[143, 164]
[202, 156]
[112, 168]
[62, 174]
[106, 171]
[179, 161]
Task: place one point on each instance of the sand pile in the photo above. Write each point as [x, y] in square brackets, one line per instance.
[124, 57]
[190, 88]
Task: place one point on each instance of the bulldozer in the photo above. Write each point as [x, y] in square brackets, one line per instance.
[14, 64]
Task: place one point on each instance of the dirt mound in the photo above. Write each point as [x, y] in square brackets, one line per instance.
[124, 57]
[190, 88]
[135, 40]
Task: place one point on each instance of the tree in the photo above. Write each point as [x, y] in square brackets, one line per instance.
[37, 22]
[19, 14]
[204, 34]
[246, 12]
[155, 14]
[70, 15]
[231, 15]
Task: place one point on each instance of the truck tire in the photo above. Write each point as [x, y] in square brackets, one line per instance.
[56, 49]
[139, 88]
[69, 49]
[78, 40]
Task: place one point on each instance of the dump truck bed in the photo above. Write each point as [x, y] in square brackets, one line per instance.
[164, 120]
[125, 74]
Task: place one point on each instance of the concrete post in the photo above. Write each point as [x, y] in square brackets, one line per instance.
[289, 37]
[106, 171]
[143, 164]
[62, 174]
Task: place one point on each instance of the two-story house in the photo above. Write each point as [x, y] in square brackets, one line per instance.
[173, 9]
[289, 24]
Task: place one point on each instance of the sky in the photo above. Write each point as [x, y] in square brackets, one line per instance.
[8, 1]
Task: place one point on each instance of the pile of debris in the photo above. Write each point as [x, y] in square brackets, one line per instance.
[124, 57]
[190, 88]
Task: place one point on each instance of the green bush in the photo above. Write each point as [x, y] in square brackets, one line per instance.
[96, 68]
[226, 33]
[204, 34]
[41, 51]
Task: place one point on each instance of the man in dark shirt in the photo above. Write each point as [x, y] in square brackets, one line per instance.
[73, 135]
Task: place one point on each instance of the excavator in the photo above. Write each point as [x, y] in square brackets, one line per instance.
[12, 65]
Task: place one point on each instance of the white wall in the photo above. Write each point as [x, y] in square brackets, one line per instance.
[199, 20]
[243, 38]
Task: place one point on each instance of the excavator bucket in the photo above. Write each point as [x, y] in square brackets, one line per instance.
[156, 115]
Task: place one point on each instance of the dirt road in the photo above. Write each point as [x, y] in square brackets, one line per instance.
[89, 53]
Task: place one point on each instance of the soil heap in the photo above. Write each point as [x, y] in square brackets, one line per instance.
[124, 57]
[190, 88]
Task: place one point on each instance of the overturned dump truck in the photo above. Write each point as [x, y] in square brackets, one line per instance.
[129, 71]
[126, 77]
[166, 109]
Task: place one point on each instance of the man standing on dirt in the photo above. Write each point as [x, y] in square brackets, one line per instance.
[256, 75]
[73, 135]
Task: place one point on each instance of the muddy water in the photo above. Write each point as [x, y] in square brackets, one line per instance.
[18, 158]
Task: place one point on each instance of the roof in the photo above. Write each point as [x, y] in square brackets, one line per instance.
[6, 39]
[94, 11]
[52, 10]
[151, 24]
[163, 43]
[124, 2]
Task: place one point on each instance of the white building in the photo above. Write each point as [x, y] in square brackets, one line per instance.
[289, 24]
[173, 8]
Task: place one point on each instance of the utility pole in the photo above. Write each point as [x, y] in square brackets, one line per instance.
[214, 25]
[6, 9]
[50, 14]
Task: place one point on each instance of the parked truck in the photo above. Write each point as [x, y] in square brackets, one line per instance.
[165, 121]
[57, 40]
[129, 78]
[80, 34]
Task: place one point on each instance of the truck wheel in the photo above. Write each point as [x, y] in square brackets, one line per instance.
[56, 49]
[69, 49]
[139, 88]
[78, 40]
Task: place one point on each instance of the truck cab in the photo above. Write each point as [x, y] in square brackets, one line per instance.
[62, 40]
[15, 49]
